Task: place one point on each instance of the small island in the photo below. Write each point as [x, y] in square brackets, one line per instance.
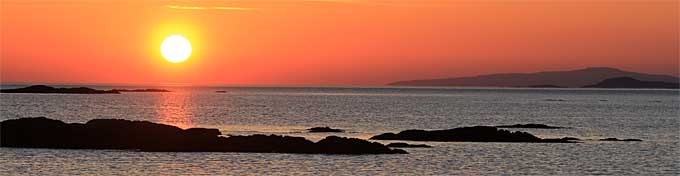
[75, 90]
[468, 134]
[628, 82]
[52, 90]
[479, 134]
[324, 130]
[621, 140]
[41, 132]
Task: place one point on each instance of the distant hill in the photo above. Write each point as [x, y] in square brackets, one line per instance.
[627, 82]
[572, 78]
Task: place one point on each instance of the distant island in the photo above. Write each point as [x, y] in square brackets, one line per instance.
[53, 90]
[628, 82]
[548, 79]
[75, 90]
[483, 134]
[469, 134]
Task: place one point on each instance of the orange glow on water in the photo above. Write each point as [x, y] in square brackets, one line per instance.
[174, 109]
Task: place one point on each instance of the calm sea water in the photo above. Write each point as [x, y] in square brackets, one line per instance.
[651, 115]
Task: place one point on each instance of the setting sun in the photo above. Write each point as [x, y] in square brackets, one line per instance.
[176, 48]
[406, 87]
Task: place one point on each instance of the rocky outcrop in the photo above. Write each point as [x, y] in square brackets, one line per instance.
[467, 134]
[42, 132]
[405, 145]
[48, 89]
[324, 130]
[530, 125]
[622, 140]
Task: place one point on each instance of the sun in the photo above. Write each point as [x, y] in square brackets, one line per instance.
[176, 49]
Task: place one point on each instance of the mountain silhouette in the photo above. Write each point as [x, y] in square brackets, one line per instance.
[571, 78]
[627, 82]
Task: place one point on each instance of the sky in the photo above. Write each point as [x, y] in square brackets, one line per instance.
[330, 42]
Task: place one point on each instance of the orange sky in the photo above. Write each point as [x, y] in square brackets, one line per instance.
[330, 42]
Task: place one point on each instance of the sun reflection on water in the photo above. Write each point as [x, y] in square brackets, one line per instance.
[175, 109]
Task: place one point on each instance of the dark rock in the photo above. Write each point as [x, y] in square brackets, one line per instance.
[324, 130]
[48, 89]
[466, 134]
[530, 125]
[342, 145]
[623, 140]
[141, 90]
[221, 91]
[42, 132]
[405, 145]
[628, 82]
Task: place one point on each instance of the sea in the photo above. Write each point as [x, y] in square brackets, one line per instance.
[591, 114]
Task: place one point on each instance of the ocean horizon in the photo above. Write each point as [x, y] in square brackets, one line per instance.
[589, 114]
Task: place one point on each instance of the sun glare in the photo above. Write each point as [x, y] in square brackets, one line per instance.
[176, 49]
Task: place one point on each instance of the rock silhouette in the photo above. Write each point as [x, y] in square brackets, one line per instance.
[530, 125]
[467, 134]
[48, 89]
[41, 132]
[628, 82]
[324, 130]
[623, 140]
[405, 145]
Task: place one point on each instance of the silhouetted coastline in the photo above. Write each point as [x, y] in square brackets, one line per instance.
[41, 132]
[628, 82]
[545, 79]
[48, 89]
[468, 134]
[73, 90]
[482, 134]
